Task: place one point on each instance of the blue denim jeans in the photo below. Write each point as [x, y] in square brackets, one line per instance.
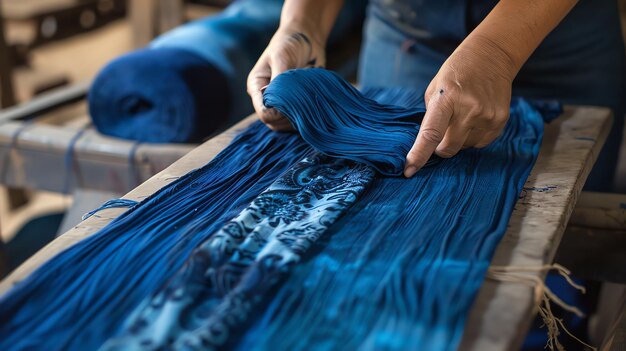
[581, 62]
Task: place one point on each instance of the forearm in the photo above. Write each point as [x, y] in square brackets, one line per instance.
[317, 17]
[515, 28]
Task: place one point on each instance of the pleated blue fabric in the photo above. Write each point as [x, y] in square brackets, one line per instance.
[81, 297]
[212, 295]
[346, 120]
[215, 260]
[400, 270]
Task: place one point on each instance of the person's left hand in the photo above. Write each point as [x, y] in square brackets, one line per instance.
[467, 103]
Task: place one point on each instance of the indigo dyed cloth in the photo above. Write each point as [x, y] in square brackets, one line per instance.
[581, 62]
[219, 284]
[159, 95]
[390, 263]
[191, 81]
[341, 124]
[400, 270]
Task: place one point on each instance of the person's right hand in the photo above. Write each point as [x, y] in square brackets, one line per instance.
[290, 48]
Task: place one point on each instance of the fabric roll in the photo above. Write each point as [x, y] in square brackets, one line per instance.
[191, 81]
[159, 95]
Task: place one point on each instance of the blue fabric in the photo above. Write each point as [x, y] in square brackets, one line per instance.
[213, 293]
[345, 119]
[581, 62]
[191, 81]
[81, 297]
[401, 269]
[113, 203]
[398, 270]
[159, 95]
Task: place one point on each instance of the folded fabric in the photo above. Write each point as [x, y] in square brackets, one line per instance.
[191, 81]
[336, 119]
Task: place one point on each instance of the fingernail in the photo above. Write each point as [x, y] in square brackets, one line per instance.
[410, 171]
[265, 87]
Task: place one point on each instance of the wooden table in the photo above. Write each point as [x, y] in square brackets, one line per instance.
[502, 312]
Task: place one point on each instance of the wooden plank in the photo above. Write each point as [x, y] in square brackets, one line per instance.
[99, 162]
[170, 14]
[33, 81]
[45, 21]
[594, 254]
[27, 9]
[45, 103]
[611, 324]
[503, 311]
[142, 14]
[600, 210]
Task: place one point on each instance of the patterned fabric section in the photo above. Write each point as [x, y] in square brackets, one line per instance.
[214, 292]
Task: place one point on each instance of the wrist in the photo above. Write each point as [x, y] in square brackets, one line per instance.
[490, 50]
[306, 27]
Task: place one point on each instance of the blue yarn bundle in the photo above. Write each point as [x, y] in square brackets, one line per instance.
[399, 270]
[345, 123]
[191, 81]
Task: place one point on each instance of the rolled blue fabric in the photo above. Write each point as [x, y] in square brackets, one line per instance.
[192, 80]
[159, 95]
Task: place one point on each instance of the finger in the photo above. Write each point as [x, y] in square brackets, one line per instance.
[474, 137]
[453, 140]
[280, 64]
[431, 133]
[258, 79]
[488, 138]
[278, 123]
[271, 116]
[281, 126]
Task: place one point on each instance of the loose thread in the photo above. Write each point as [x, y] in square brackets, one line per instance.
[114, 203]
[134, 177]
[69, 158]
[12, 148]
[543, 297]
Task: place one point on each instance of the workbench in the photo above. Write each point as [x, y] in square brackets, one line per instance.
[502, 312]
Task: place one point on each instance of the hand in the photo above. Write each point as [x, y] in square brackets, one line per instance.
[290, 48]
[467, 103]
